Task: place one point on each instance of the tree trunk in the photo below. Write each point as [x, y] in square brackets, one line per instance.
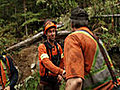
[33, 39]
[25, 9]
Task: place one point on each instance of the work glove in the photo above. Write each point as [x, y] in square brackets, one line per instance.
[59, 78]
[63, 75]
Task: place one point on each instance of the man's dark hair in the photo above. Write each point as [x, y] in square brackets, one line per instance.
[4, 53]
[79, 17]
[1, 57]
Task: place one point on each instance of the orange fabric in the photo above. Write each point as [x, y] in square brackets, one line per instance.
[47, 61]
[8, 63]
[79, 51]
[107, 85]
[3, 78]
[3, 75]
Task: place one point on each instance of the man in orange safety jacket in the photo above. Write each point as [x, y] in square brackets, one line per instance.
[84, 63]
[50, 58]
[8, 73]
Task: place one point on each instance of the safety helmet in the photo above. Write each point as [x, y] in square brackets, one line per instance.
[47, 25]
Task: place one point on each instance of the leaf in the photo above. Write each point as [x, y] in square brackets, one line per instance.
[40, 1]
[104, 29]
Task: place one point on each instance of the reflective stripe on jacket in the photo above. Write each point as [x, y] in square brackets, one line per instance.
[5, 72]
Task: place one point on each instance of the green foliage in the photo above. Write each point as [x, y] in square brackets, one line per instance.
[31, 83]
[40, 1]
[1, 21]
[5, 42]
[107, 32]
[111, 40]
[30, 21]
[100, 7]
[62, 87]
[7, 35]
[110, 37]
[57, 7]
[65, 20]
[12, 16]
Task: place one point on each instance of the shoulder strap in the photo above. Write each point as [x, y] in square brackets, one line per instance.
[105, 58]
[8, 65]
[47, 48]
[1, 75]
[1, 57]
[59, 55]
[6, 62]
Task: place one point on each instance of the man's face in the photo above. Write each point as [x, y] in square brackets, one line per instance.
[51, 34]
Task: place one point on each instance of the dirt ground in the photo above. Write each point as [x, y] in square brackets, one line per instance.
[24, 59]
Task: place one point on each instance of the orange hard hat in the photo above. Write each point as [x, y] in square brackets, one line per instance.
[48, 24]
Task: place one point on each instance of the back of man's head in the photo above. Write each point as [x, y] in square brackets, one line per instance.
[1, 57]
[4, 53]
[79, 17]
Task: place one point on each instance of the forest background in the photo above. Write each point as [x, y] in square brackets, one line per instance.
[22, 19]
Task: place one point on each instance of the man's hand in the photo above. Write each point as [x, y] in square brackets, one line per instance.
[7, 88]
[59, 78]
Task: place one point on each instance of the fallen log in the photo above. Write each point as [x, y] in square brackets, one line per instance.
[112, 15]
[33, 39]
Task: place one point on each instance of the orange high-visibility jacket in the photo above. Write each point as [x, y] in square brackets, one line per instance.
[83, 59]
[46, 62]
[5, 72]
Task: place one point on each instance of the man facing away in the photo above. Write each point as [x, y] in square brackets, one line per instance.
[8, 73]
[50, 58]
[84, 63]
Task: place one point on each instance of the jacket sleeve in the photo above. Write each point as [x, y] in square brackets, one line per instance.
[43, 56]
[14, 73]
[73, 58]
